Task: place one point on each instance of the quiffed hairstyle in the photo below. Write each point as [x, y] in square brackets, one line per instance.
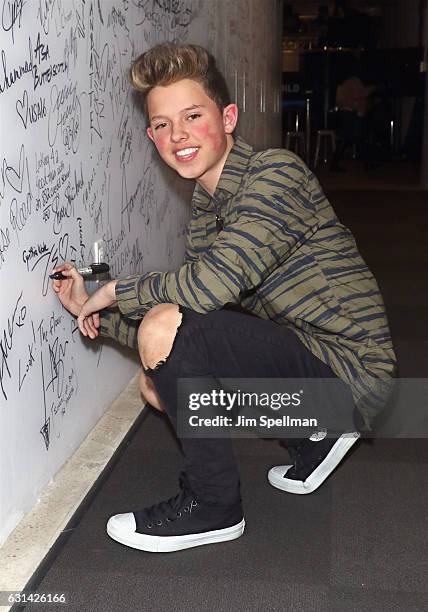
[168, 63]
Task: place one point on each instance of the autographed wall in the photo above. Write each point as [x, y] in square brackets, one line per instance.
[77, 167]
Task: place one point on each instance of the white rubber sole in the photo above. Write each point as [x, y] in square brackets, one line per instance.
[150, 543]
[276, 475]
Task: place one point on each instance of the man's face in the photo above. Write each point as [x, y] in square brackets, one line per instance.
[189, 131]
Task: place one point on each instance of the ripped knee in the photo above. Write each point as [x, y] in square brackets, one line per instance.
[157, 333]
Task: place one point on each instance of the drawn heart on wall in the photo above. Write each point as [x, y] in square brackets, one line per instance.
[22, 108]
[13, 177]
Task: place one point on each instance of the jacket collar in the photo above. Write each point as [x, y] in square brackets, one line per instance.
[230, 179]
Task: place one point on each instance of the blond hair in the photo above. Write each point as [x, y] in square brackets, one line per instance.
[167, 63]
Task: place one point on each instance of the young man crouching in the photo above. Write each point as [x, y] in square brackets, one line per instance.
[264, 237]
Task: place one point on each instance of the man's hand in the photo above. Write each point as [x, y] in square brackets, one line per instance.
[72, 295]
[101, 299]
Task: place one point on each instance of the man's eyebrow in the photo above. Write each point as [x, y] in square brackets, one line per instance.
[184, 110]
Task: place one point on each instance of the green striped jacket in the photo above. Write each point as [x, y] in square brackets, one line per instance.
[283, 255]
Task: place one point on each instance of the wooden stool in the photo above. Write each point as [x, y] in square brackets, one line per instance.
[295, 141]
[324, 137]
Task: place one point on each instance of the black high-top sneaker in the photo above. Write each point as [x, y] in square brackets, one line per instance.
[180, 522]
[313, 460]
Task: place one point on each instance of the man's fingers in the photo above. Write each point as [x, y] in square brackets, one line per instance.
[87, 329]
[71, 273]
[96, 318]
[81, 324]
[89, 332]
[68, 271]
[90, 327]
[87, 325]
[64, 266]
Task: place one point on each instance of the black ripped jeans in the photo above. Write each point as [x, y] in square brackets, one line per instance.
[229, 344]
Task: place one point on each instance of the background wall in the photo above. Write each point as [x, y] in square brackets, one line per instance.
[399, 29]
[75, 167]
[246, 37]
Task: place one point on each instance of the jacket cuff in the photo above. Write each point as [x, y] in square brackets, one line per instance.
[132, 299]
[113, 325]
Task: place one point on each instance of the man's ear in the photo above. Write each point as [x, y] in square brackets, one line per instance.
[149, 132]
[230, 118]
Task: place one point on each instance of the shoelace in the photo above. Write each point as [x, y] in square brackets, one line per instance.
[296, 455]
[296, 458]
[294, 450]
[170, 510]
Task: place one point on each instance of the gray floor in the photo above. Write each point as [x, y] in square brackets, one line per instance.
[358, 543]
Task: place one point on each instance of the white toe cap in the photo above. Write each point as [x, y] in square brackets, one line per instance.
[124, 523]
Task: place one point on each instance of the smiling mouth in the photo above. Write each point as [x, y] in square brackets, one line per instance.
[186, 154]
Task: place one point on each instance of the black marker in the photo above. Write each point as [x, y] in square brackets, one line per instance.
[95, 268]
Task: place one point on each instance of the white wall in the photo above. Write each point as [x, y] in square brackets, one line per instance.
[76, 166]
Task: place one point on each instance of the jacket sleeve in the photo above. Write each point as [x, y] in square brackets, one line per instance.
[190, 254]
[117, 327]
[275, 214]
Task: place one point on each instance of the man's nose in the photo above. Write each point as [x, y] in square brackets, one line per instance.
[178, 133]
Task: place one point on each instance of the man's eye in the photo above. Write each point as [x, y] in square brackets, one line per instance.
[194, 116]
[159, 125]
